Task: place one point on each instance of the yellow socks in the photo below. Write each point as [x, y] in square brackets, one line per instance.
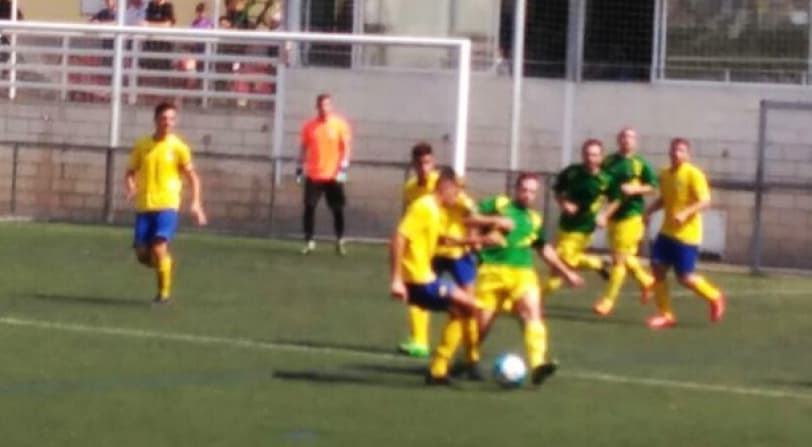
[705, 289]
[419, 323]
[470, 339]
[640, 274]
[164, 269]
[663, 299]
[616, 278]
[535, 340]
[452, 334]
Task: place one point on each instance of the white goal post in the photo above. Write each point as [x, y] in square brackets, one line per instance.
[462, 48]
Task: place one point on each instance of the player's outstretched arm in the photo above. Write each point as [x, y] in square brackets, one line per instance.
[500, 223]
[397, 247]
[129, 184]
[196, 205]
[550, 256]
[691, 210]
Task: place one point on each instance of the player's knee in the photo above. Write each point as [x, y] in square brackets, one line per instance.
[687, 279]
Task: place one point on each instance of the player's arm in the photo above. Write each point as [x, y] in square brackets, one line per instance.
[701, 192]
[548, 253]
[303, 140]
[397, 246]
[346, 150]
[196, 204]
[560, 188]
[132, 168]
[652, 208]
[648, 184]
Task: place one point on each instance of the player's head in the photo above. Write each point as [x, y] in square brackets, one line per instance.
[592, 153]
[448, 186]
[110, 4]
[324, 105]
[200, 9]
[680, 151]
[627, 140]
[526, 190]
[422, 159]
[165, 117]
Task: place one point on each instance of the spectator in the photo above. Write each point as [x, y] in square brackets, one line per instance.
[201, 21]
[106, 14]
[159, 14]
[135, 14]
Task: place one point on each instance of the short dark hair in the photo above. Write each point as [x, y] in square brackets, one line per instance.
[592, 142]
[447, 174]
[680, 140]
[420, 150]
[526, 176]
[321, 98]
[163, 107]
[200, 7]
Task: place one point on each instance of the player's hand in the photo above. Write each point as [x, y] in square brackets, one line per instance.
[629, 189]
[573, 279]
[341, 177]
[494, 238]
[198, 214]
[569, 208]
[505, 224]
[299, 173]
[398, 290]
[681, 218]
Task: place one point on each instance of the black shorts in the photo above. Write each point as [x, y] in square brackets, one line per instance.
[333, 190]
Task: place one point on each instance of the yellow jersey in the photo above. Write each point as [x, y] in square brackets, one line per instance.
[421, 227]
[158, 166]
[679, 189]
[413, 190]
[453, 226]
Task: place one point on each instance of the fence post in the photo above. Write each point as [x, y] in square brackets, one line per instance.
[15, 157]
[272, 201]
[109, 184]
[755, 245]
[64, 65]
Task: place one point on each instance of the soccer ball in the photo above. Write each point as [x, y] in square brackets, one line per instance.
[509, 370]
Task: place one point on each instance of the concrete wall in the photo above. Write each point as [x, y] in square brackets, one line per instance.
[389, 112]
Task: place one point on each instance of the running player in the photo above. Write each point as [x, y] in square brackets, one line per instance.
[632, 179]
[684, 194]
[413, 279]
[507, 277]
[580, 191]
[153, 180]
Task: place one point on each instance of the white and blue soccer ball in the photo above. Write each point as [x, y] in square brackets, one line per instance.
[509, 370]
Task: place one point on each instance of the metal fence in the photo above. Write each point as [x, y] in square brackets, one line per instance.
[57, 182]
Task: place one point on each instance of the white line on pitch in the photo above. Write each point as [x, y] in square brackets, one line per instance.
[292, 347]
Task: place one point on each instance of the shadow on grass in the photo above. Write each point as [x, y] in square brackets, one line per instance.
[93, 300]
[584, 315]
[790, 383]
[342, 378]
[400, 370]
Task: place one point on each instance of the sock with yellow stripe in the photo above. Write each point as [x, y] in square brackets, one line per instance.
[419, 324]
[450, 340]
[470, 339]
[643, 276]
[164, 273]
[617, 276]
[663, 299]
[535, 340]
[705, 289]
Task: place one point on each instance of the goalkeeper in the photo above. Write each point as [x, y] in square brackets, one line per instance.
[324, 159]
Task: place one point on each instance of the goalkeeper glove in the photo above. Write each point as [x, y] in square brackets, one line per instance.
[341, 177]
[299, 173]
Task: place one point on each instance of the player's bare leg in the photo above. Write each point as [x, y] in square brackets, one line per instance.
[452, 334]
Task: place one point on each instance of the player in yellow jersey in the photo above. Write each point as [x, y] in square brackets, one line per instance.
[413, 279]
[154, 181]
[419, 185]
[684, 194]
[507, 276]
[632, 178]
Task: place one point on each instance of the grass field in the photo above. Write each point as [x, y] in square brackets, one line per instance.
[265, 347]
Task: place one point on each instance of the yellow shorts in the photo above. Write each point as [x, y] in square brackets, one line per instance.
[498, 287]
[625, 235]
[571, 245]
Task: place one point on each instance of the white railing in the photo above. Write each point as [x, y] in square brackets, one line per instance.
[128, 75]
